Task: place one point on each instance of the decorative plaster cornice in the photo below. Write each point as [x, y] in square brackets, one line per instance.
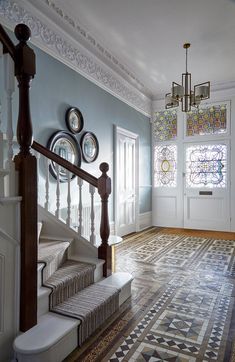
[71, 53]
[95, 44]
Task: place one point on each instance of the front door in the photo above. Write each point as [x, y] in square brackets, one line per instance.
[207, 186]
[191, 168]
[126, 181]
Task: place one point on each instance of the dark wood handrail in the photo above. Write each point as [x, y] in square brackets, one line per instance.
[8, 46]
[66, 164]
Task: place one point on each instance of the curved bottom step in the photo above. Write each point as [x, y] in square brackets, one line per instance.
[51, 340]
[56, 336]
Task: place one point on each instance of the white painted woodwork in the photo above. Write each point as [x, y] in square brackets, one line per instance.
[9, 89]
[57, 212]
[1, 138]
[182, 206]
[68, 220]
[9, 275]
[92, 216]
[127, 181]
[80, 207]
[208, 212]
[46, 204]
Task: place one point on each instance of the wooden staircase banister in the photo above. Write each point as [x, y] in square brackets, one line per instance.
[8, 46]
[66, 164]
[103, 184]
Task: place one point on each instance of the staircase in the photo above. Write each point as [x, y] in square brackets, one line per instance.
[74, 300]
[66, 289]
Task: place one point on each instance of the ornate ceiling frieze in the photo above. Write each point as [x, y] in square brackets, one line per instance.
[47, 37]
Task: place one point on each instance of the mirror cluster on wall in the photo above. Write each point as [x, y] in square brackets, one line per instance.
[66, 143]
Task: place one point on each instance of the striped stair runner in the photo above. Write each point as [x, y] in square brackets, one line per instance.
[52, 254]
[69, 279]
[73, 292]
[92, 306]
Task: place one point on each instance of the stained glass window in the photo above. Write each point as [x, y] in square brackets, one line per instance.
[209, 120]
[206, 166]
[165, 125]
[165, 158]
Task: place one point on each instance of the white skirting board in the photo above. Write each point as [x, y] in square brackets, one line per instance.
[145, 220]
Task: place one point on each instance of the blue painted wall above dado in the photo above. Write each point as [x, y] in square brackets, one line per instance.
[57, 87]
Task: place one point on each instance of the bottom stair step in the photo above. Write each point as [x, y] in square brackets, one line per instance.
[56, 336]
[92, 306]
[51, 340]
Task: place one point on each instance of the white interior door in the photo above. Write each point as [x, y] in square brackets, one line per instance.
[207, 186]
[126, 181]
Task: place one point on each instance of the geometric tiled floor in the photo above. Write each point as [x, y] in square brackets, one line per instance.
[182, 301]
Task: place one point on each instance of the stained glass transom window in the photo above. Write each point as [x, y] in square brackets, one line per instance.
[209, 120]
[165, 158]
[206, 166]
[165, 125]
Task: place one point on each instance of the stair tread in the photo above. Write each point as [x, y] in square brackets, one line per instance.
[69, 279]
[118, 280]
[52, 254]
[92, 305]
[50, 329]
[48, 249]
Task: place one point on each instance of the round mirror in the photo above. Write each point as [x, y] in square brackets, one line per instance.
[67, 147]
[90, 147]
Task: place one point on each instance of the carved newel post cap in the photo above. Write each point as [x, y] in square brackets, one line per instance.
[22, 32]
[104, 167]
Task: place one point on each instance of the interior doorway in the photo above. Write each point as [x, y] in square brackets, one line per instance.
[126, 146]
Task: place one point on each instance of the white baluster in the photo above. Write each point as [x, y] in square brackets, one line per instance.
[1, 139]
[92, 216]
[68, 220]
[80, 226]
[46, 204]
[57, 212]
[9, 88]
[12, 186]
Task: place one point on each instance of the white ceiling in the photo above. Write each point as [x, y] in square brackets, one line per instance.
[147, 37]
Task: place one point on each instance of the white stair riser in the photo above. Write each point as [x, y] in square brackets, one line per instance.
[125, 293]
[56, 353]
[98, 274]
[40, 267]
[43, 303]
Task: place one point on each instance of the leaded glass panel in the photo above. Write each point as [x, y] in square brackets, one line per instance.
[165, 163]
[206, 121]
[206, 166]
[165, 125]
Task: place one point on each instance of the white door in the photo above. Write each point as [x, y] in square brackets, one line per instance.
[191, 168]
[167, 186]
[207, 186]
[126, 181]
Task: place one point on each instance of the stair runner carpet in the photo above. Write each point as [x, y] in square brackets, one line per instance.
[92, 306]
[73, 293]
[52, 254]
[68, 280]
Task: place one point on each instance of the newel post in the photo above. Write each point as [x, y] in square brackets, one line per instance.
[26, 165]
[104, 250]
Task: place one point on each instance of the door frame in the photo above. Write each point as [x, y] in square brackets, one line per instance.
[122, 131]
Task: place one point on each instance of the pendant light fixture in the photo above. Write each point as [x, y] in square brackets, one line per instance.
[184, 93]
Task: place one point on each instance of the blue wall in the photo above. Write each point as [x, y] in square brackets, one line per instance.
[57, 87]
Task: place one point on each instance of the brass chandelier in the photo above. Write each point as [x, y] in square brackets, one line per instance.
[184, 94]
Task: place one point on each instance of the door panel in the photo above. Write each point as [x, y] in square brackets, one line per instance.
[206, 187]
[126, 182]
[167, 190]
